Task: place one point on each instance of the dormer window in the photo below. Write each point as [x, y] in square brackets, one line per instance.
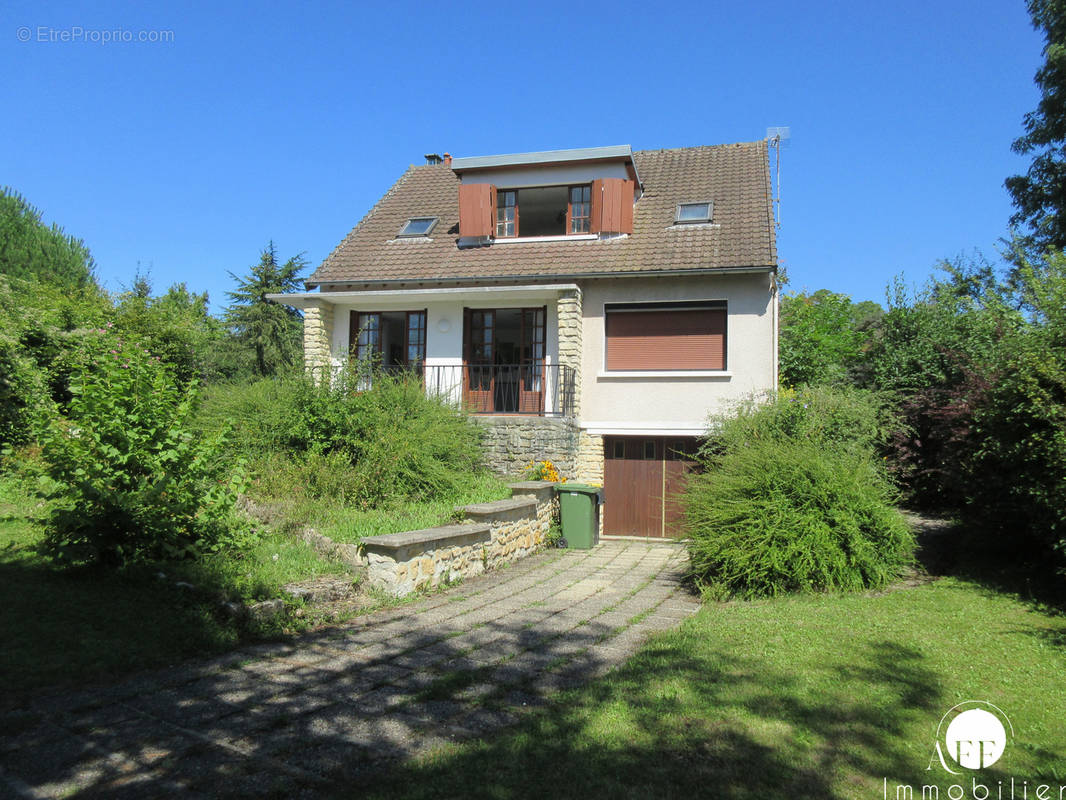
[543, 211]
[417, 226]
[688, 213]
[488, 212]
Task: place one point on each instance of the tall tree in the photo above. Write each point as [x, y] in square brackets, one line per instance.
[175, 326]
[30, 249]
[1040, 195]
[823, 336]
[271, 329]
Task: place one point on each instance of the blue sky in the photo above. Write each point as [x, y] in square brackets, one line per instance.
[287, 123]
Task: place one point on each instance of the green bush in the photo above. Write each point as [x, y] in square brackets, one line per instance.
[41, 328]
[823, 337]
[24, 400]
[360, 441]
[788, 501]
[260, 414]
[131, 480]
[840, 418]
[1015, 462]
[976, 363]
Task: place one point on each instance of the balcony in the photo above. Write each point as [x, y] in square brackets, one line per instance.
[533, 389]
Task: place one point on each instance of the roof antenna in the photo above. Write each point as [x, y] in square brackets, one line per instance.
[776, 137]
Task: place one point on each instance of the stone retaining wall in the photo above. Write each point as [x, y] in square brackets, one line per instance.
[491, 534]
[510, 443]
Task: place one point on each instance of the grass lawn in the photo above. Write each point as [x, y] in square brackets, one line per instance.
[69, 627]
[351, 525]
[805, 697]
[289, 503]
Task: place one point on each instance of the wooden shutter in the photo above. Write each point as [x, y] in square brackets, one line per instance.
[597, 206]
[612, 205]
[626, 189]
[477, 209]
[654, 340]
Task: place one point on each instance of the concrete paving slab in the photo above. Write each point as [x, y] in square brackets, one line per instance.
[300, 718]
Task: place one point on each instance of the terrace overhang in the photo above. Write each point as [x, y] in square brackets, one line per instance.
[469, 294]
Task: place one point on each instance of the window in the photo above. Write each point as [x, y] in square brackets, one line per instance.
[506, 214]
[580, 209]
[416, 337]
[666, 336]
[693, 212]
[391, 339]
[504, 360]
[543, 211]
[367, 333]
[604, 207]
[418, 226]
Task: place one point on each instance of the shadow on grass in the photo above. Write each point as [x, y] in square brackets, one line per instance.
[994, 563]
[71, 627]
[682, 719]
[669, 724]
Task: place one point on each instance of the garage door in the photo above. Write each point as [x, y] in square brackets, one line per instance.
[642, 481]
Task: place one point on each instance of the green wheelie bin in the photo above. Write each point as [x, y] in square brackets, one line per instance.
[579, 514]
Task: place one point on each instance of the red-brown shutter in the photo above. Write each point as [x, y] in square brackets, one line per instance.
[652, 340]
[596, 212]
[477, 209]
[626, 189]
[612, 206]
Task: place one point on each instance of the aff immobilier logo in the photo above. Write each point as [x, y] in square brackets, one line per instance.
[973, 736]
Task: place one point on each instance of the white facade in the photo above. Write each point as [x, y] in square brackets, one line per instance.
[678, 402]
[563, 175]
[648, 403]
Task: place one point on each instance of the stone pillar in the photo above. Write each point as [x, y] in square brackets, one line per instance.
[569, 326]
[589, 461]
[318, 335]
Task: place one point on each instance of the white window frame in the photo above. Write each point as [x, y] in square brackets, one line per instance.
[698, 220]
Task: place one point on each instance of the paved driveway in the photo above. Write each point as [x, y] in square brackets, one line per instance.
[291, 719]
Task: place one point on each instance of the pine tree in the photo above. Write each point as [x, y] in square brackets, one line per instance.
[30, 249]
[271, 329]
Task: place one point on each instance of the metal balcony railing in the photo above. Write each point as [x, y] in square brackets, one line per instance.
[532, 388]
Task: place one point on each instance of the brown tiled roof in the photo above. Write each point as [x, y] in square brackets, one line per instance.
[734, 176]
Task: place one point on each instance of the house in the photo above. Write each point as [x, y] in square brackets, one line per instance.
[588, 306]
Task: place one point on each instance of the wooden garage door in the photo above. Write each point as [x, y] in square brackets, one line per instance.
[642, 480]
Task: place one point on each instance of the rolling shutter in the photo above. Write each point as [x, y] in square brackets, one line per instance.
[477, 209]
[692, 339]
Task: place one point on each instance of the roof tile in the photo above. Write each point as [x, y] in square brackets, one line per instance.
[735, 177]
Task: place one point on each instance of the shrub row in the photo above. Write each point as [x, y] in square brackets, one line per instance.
[364, 440]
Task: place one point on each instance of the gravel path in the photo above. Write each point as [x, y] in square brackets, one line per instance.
[293, 719]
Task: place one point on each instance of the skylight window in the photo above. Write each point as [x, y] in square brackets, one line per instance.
[418, 226]
[693, 212]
